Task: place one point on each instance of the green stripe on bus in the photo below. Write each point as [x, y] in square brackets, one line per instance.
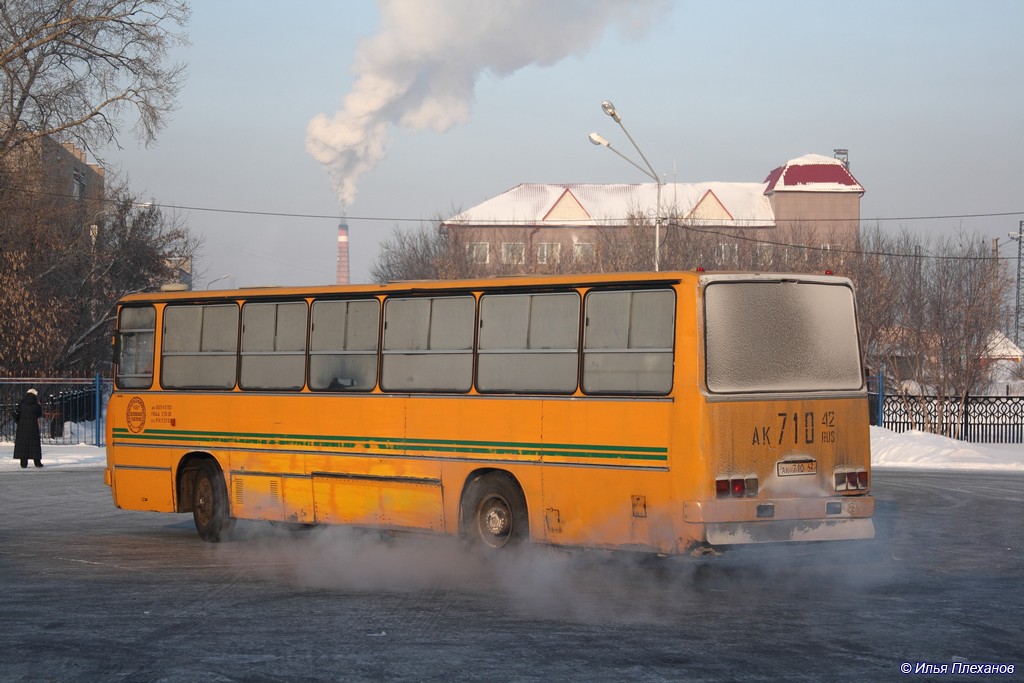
[392, 444]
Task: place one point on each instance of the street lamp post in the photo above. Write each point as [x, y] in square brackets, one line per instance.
[1019, 236]
[609, 109]
[217, 279]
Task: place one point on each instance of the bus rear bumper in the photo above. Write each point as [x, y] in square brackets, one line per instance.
[731, 522]
[792, 530]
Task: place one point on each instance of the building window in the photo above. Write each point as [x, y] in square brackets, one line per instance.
[513, 253]
[728, 254]
[548, 253]
[583, 251]
[478, 252]
[765, 255]
[78, 184]
[833, 252]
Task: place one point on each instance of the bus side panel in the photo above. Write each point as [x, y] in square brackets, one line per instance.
[459, 436]
[611, 487]
[371, 476]
[148, 488]
[388, 503]
[140, 478]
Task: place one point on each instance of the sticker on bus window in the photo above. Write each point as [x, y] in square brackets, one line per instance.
[792, 468]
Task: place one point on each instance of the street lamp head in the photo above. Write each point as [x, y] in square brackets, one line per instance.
[598, 140]
[609, 109]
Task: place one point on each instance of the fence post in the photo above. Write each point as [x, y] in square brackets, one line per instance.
[880, 421]
[99, 409]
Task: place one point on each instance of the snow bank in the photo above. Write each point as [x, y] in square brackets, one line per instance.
[922, 450]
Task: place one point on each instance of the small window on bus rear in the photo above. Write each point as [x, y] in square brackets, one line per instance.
[627, 343]
[780, 336]
[428, 344]
[528, 343]
[200, 346]
[343, 345]
[136, 327]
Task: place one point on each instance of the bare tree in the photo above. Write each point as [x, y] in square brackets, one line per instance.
[424, 253]
[70, 69]
[61, 275]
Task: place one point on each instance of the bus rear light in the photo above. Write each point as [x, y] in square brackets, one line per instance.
[851, 480]
[750, 483]
[736, 488]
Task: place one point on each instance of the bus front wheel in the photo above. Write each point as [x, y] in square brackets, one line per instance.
[495, 512]
[210, 507]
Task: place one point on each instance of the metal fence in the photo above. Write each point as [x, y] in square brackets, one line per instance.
[73, 407]
[980, 419]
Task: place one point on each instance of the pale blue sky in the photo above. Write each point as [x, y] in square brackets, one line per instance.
[926, 95]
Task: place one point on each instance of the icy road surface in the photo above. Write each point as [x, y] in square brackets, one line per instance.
[95, 593]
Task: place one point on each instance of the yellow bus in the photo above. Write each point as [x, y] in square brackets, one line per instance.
[667, 412]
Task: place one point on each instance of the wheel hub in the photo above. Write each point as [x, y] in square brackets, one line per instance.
[497, 521]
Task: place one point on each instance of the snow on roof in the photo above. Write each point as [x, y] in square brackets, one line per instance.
[812, 173]
[744, 204]
[722, 204]
[998, 345]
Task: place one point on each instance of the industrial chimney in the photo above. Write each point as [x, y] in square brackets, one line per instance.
[343, 253]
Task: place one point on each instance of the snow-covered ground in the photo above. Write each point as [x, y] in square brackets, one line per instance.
[888, 449]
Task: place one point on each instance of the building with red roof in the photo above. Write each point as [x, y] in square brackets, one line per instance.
[812, 200]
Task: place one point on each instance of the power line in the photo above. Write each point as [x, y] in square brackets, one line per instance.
[730, 235]
[287, 214]
[833, 250]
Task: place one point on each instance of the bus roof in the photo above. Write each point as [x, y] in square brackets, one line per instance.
[510, 282]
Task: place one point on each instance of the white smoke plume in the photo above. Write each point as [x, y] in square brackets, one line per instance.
[421, 68]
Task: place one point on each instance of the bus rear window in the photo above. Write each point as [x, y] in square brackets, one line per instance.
[763, 336]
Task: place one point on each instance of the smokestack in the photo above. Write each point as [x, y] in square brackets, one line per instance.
[342, 253]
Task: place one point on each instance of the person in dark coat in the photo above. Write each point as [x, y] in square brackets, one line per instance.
[27, 444]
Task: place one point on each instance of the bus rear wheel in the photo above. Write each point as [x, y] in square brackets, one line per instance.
[494, 514]
[210, 508]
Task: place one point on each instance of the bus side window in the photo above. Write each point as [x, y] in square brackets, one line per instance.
[529, 343]
[273, 345]
[428, 344]
[200, 346]
[343, 345]
[627, 347]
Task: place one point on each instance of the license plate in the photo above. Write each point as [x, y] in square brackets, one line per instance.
[789, 469]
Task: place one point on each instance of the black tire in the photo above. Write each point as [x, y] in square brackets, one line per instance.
[494, 512]
[210, 508]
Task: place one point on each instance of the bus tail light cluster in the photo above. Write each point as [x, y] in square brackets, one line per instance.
[851, 480]
[745, 487]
